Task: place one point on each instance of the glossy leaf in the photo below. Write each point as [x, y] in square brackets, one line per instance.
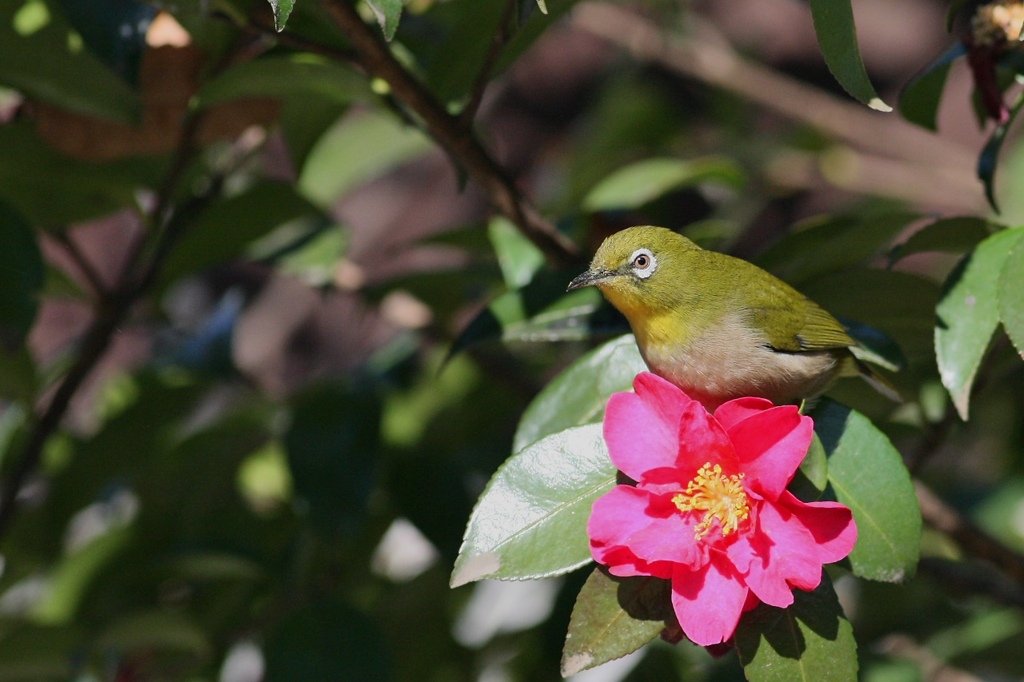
[644, 181]
[832, 243]
[21, 278]
[531, 520]
[837, 37]
[919, 100]
[32, 173]
[614, 617]
[285, 76]
[518, 258]
[356, 150]
[113, 30]
[989, 157]
[899, 304]
[947, 235]
[812, 477]
[332, 445]
[968, 315]
[157, 629]
[867, 474]
[38, 60]
[810, 640]
[388, 13]
[281, 9]
[542, 311]
[578, 395]
[223, 230]
[1011, 298]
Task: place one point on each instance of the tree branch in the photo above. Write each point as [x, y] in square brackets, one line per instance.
[938, 166]
[476, 93]
[374, 56]
[112, 309]
[971, 539]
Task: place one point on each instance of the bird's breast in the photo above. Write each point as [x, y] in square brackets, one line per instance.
[730, 359]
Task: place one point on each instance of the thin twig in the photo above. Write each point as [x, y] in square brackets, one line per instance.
[257, 28]
[698, 55]
[82, 262]
[374, 56]
[483, 77]
[971, 539]
[111, 311]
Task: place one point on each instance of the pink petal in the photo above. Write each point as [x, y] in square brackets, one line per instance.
[702, 440]
[650, 527]
[642, 428]
[623, 563]
[831, 525]
[708, 602]
[784, 555]
[770, 447]
[735, 411]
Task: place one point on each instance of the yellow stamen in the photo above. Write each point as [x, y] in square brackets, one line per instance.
[721, 496]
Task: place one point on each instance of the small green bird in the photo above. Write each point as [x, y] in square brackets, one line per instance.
[719, 327]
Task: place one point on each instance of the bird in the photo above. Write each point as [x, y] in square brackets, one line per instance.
[719, 327]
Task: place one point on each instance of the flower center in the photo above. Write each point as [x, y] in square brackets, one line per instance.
[720, 496]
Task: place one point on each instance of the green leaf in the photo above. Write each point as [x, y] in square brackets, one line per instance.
[18, 379]
[642, 182]
[388, 13]
[832, 243]
[867, 474]
[356, 150]
[37, 60]
[531, 520]
[614, 617]
[812, 477]
[542, 6]
[919, 100]
[157, 629]
[71, 578]
[326, 640]
[874, 346]
[837, 37]
[541, 312]
[286, 76]
[989, 157]
[946, 235]
[899, 304]
[222, 231]
[21, 277]
[968, 315]
[33, 652]
[578, 395]
[113, 30]
[282, 9]
[1011, 302]
[810, 640]
[32, 174]
[333, 445]
[518, 258]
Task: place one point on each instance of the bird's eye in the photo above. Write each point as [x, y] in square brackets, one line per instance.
[644, 263]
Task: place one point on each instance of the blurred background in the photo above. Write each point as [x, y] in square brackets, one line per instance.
[261, 291]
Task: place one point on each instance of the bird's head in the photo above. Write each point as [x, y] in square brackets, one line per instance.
[640, 269]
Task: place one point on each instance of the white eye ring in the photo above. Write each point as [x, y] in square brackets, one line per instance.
[644, 263]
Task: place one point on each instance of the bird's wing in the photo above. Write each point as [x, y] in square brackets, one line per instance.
[795, 328]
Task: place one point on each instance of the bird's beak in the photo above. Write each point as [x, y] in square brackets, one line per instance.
[589, 278]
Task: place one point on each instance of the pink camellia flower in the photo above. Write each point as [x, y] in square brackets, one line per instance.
[710, 510]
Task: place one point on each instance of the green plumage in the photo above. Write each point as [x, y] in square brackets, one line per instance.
[718, 326]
